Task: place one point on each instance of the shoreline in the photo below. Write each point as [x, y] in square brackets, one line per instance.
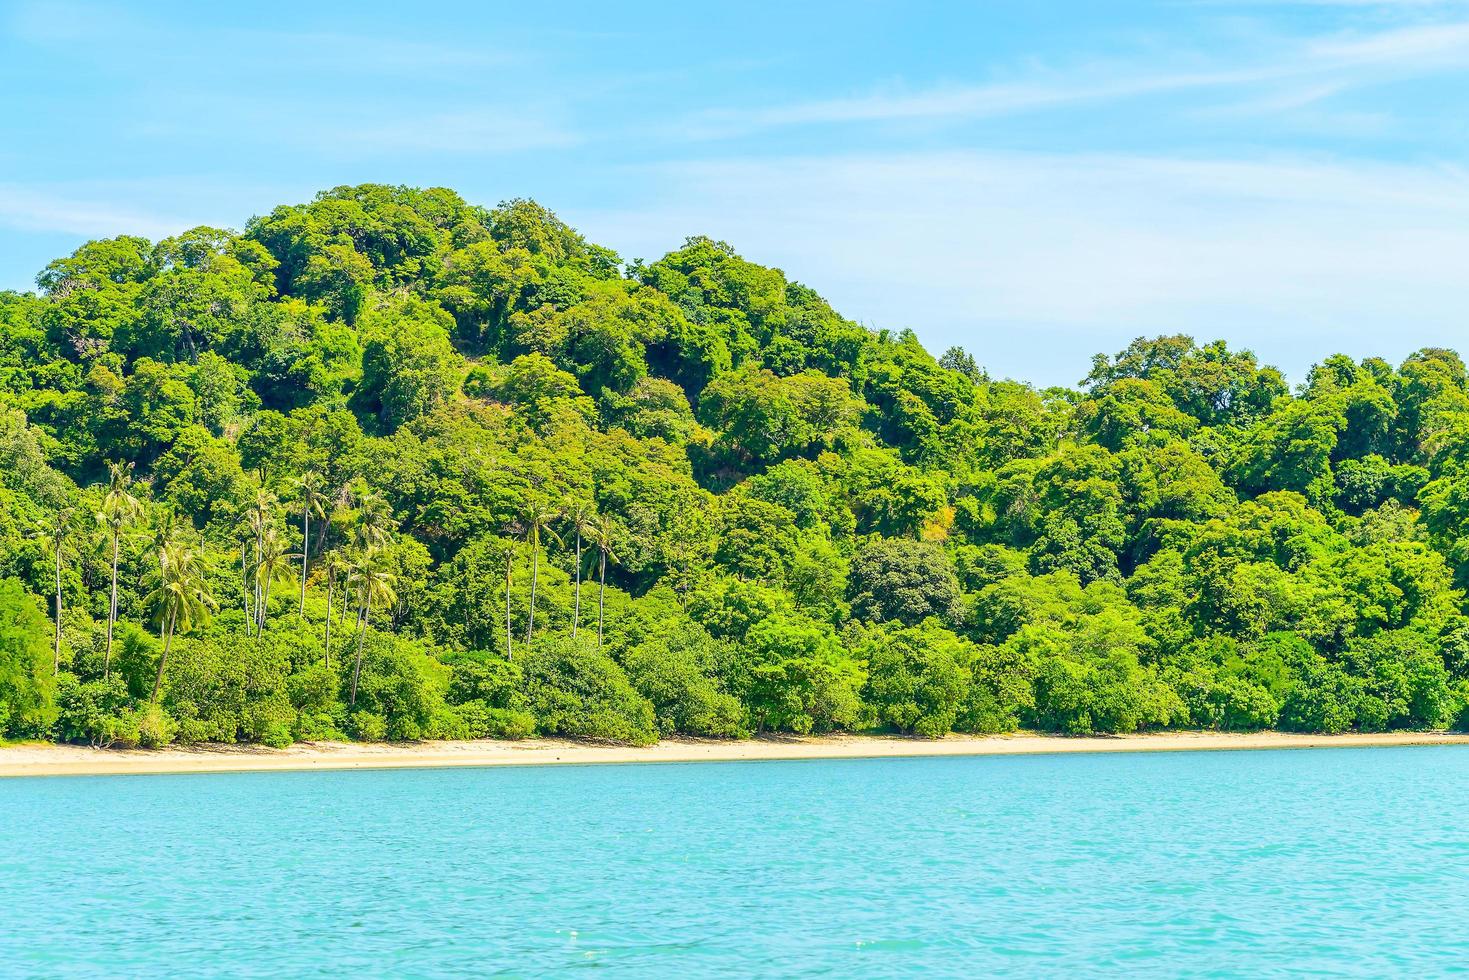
[73, 760]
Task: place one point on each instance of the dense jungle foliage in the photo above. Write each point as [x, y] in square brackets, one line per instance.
[388, 465]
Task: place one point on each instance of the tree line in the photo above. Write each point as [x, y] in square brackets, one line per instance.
[391, 465]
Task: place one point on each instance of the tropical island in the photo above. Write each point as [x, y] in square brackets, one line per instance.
[392, 466]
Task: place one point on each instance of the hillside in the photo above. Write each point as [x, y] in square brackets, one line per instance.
[541, 490]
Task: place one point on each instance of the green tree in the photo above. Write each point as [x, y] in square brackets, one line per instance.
[373, 584]
[908, 581]
[582, 518]
[310, 491]
[180, 599]
[26, 686]
[536, 517]
[120, 511]
[917, 677]
[60, 527]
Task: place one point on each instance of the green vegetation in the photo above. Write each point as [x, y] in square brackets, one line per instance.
[391, 466]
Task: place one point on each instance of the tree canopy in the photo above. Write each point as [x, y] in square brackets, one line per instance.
[388, 464]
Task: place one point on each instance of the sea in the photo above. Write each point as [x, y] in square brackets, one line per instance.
[1340, 862]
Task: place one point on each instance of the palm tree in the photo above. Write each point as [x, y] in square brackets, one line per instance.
[120, 510]
[509, 568]
[245, 581]
[179, 600]
[313, 501]
[581, 517]
[259, 518]
[537, 517]
[372, 583]
[60, 526]
[167, 530]
[271, 566]
[374, 521]
[603, 532]
[334, 565]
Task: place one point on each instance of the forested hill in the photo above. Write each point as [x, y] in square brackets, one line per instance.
[465, 421]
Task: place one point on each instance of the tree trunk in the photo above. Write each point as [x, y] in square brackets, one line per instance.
[535, 564]
[258, 604]
[509, 649]
[264, 603]
[361, 635]
[327, 646]
[111, 614]
[305, 551]
[601, 599]
[245, 582]
[163, 660]
[56, 666]
[576, 610]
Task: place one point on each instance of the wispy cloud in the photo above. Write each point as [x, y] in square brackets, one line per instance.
[1314, 68]
[37, 209]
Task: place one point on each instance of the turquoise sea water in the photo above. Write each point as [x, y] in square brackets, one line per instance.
[1342, 861]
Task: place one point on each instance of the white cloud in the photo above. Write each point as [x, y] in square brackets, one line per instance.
[1324, 65]
[1036, 262]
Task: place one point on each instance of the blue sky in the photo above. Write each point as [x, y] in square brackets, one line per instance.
[1036, 181]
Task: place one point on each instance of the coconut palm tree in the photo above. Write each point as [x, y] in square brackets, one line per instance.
[374, 524]
[60, 525]
[245, 581]
[373, 583]
[180, 599]
[603, 532]
[581, 517]
[334, 567]
[509, 569]
[259, 519]
[536, 517]
[167, 530]
[272, 565]
[120, 510]
[313, 501]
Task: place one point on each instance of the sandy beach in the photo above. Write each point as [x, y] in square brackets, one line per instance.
[72, 760]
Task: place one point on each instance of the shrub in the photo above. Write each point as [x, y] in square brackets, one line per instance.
[27, 689]
[401, 687]
[916, 678]
[673, 670]
[576, 690]
[795, 675]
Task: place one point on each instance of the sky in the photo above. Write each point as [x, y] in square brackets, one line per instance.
[1037, 182]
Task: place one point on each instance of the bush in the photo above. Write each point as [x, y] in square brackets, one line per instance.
[89, 712]
[916, 678]
[673, 670]
[222, 687]
[795, 675]
[576, 690]
[102, 714]
[1111, 693]
[400, 692]
[487, 697]
[1001, 689]
[481, 720]
[1322, 699]
[1404, 682]
[1225, 702]
[27, 689]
